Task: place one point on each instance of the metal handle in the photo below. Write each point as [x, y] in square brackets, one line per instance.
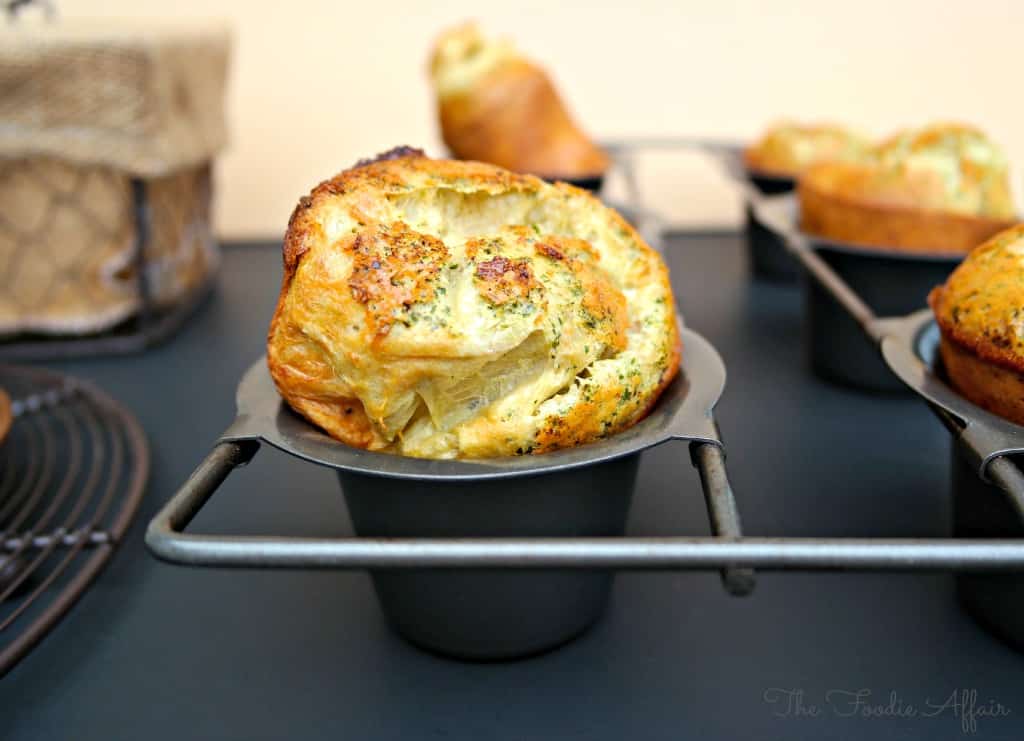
[204, 481]
[167, 541]
[723, 513]
[800, 248]
[623, 152]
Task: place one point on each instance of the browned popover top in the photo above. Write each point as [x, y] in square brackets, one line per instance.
[786, 149]
[943, 188]
[446, 309]
[981, 305]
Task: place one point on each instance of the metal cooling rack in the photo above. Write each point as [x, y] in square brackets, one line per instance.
[727, 549]
[72, 472]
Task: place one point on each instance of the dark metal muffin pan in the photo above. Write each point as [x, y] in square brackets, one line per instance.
[981, 510]
[884, 282]
[767, 254]
[582, 492]
[980, 458]
[766, 250]
[910, 348]
[987, 485]
[426, 579]
[891, 283]
[438, 604]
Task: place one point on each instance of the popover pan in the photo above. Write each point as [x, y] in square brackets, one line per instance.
[477, 614]
[891, 283]
[988, 486]
[981, 455]
[884, 282]
[767, 255]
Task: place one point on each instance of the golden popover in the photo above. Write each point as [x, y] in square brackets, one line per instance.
[941, 189]
[6, 418]
[444, 309]
[980, 312]
[496, 106]
[786, 149]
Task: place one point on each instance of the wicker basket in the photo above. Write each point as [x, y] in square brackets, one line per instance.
[106, 143]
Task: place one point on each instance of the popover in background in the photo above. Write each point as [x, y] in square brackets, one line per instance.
[941, 189]
[445, 309]
[6, 418]
[980, 312]
[786, 149]
[496, 106]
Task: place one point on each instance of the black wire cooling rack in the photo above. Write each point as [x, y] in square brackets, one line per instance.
[72, 472]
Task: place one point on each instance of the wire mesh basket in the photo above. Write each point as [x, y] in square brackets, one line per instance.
[107, 136]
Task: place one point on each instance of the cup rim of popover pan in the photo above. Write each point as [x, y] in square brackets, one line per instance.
[683, 412]
[467, 268]
[911, 349]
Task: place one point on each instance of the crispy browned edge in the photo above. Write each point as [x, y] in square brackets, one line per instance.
[856, 222]
[985, 373]
[5, 415]
[990, 386]
[388, 166]
[980, 346]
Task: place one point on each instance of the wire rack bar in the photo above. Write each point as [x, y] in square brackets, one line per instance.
[74, 468]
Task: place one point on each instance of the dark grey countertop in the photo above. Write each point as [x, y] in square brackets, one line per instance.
[154, 651]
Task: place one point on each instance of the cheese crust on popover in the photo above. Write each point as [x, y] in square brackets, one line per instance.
[786, 149]
[496, 106]
[445, 309]
[980, 312]
[944, 189]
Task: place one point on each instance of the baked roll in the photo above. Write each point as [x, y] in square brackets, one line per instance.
[980, 312]
[445, 309]
[495, 106]
[6, 418]
[786, 149]
[941, 189]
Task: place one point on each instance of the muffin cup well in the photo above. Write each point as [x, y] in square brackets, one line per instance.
[493, 614]
[765, 250]
[891, 283]
[848, 289]
[454, 607]
[980, 510]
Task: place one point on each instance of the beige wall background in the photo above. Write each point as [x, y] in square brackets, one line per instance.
[318, 84]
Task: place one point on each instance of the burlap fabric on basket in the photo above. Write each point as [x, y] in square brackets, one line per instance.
[84, 109]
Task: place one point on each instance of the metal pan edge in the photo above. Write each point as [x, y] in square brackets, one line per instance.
[910, 349]
[683, 412]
